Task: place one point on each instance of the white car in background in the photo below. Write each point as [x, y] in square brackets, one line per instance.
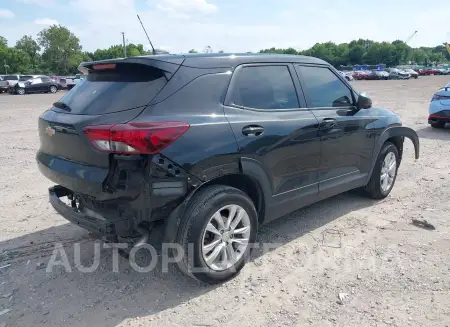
[347, 75]
[72, 81]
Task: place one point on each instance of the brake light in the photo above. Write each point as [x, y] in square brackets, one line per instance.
[104, 66]
[135, 138]
[438, 97]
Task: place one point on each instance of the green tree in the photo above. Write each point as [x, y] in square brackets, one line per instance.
[29, 46]
[18, 61]
[61, 49]
[3, 42]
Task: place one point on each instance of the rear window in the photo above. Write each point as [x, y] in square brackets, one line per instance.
[125, 86]
[10, 78]
[25, 78]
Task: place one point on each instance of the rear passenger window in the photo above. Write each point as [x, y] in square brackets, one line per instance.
[264, 87]
[323, 88]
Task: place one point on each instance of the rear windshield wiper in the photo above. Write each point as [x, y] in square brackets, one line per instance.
[62, 106]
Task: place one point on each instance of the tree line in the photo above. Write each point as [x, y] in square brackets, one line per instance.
[58, 51]
[369, 52]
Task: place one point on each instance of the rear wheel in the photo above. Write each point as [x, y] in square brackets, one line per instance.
[216, 234]
[384, 173]
[438, 124]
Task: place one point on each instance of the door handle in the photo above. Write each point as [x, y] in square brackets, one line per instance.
[254, 130]
[328, 123]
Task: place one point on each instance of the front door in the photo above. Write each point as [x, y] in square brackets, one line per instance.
[347, 141]
[268, 115]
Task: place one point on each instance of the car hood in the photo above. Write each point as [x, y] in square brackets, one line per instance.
[21, 84]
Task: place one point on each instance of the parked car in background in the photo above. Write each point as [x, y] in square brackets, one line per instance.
[377, 74]
[37, 84]
[360, 74]
[347, 75]
[3, 85]
[412, 73]
[395, 73]
[72, 81]
[434, 71]
[423, 72]
[439, 110]
[8, 82]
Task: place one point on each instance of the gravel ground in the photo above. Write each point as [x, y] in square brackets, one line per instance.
[387, 271]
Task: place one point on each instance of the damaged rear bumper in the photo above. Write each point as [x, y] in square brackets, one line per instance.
[73, 214]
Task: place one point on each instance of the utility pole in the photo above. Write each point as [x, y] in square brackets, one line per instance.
[124, 46]
[6, 67]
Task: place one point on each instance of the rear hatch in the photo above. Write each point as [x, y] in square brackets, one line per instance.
[10, 80]
[113, 92]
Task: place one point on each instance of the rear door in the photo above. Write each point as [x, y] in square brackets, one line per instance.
[273, 127]
[347, 141]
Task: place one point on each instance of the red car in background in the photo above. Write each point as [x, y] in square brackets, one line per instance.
[360, 74]
[429, 71]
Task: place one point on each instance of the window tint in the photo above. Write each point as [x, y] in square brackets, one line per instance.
[123, 87]
[25, 78]
[11, 78]
[45, 79]
[324, 88]
[264, 87]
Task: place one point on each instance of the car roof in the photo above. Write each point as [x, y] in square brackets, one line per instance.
[219, 60]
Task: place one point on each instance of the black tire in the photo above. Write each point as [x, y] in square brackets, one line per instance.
[20, 91]
[198, 212]
[53, 89]
[438, 124]
[373, 189]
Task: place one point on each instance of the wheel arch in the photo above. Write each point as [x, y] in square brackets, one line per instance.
[250, 179]
[395, 135]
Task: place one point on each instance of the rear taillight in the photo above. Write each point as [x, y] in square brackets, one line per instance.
[135, 138]
[438, 97]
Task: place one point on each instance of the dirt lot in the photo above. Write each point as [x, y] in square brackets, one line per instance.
[392, 272]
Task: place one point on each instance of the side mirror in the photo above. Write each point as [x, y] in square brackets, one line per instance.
[364, 102]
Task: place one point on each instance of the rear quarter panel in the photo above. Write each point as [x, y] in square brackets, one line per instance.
[208, 148]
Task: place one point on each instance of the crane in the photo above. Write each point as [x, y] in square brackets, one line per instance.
[410, 37]
[447, 46]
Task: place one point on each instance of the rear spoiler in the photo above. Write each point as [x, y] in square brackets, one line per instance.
[167, 63]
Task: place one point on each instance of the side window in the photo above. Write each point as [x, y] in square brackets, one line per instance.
[324, 88]
[36, 81]
[45, 79]
[264, 87]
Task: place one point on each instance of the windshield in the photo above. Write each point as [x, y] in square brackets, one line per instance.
[126, 86]
[11, 78]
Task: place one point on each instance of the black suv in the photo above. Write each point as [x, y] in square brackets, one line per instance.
[213, 145]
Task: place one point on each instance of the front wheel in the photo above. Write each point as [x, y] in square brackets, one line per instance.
[20, 91]
[384, 173]
[216, 234]
[53, 89]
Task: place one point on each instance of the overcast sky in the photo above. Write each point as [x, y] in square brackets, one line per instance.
[230, 25]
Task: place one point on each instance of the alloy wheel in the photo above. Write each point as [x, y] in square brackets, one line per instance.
[388, 171]
[226, 237]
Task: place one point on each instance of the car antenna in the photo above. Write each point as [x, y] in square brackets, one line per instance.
[151, 44]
